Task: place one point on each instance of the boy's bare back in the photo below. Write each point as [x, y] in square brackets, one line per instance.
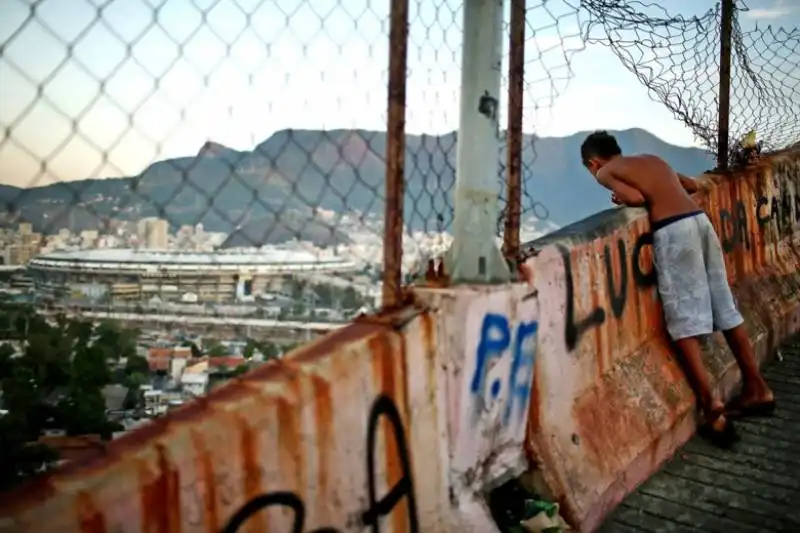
[664, 190]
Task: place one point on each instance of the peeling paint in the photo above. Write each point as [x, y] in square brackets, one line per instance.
[405, 418]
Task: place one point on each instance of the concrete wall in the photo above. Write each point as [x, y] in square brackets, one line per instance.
[405, 420]
[610, 402]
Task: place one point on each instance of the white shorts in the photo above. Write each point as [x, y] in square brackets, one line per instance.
[692, 280]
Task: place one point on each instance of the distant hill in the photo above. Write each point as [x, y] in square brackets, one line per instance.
[269, 194]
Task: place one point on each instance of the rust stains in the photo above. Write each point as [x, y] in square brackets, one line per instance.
[207, 479]
[606, 419]
[383, 361]
[323, 422]
[619, 407]
[248, 446]
[160, 497]
[291, 463]
[121, 450]
[595, 291]
[534, 413]
[90, 518]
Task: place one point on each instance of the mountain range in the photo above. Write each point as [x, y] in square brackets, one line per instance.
[271, 194]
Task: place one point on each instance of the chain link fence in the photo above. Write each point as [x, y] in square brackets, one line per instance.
[250, 137]
[221, 158]
[677, 58]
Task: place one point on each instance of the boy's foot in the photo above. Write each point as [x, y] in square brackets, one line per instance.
[752, 403]
[741, 409]
[719, 431]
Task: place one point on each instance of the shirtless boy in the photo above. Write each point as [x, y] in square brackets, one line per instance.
[692, 280]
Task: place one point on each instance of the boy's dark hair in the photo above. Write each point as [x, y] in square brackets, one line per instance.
[599, 144]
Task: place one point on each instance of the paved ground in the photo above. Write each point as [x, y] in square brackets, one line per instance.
[755, 487]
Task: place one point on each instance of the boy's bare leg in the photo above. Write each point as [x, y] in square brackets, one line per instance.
[713, 409]
[755, 390]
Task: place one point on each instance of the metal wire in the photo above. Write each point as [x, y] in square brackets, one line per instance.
[677, 58]
[264, 121]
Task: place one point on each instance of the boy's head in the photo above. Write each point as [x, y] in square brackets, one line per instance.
[598, 148]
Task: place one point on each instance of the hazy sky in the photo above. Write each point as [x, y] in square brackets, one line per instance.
[104, 87]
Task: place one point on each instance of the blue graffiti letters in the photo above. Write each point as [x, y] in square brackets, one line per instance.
[496, 340]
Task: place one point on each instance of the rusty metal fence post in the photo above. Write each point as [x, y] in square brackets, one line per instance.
[516, 75]
[725, 34]
[395, 155]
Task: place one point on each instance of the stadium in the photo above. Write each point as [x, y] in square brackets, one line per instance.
[109, 275]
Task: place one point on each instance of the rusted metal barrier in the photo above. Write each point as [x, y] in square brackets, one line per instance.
[377, 422]
[409, 418]
[610, 402]
[337, 435]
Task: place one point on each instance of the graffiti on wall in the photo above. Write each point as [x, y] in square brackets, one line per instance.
[503, 369]
[779, 209]
[496, 384]
[377, 507]
[616, 286]
[734, 229]
[782, 208]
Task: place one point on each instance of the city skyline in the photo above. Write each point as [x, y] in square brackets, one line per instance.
[237, 78]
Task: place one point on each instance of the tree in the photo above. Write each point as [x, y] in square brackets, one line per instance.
[290, 346]
[325, 294]
[83, 412]
[196, 351]
[351, 299]
[19, 457]
[136, 364]
[134, 375]
[217, 350]
[269, 350]
[118, 342]
[57, 377]
[249, 349]
[239, 370]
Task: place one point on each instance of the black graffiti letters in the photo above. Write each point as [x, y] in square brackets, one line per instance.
[733, 225]
[383, 406]
[273, 499]
[779, 208]
[640, 277]
[783, 208]
[618, 298]
[575, 329]
[617, 288]
[741, 224]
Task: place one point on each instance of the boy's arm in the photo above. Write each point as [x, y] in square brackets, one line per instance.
[626, 194]
[689, 184]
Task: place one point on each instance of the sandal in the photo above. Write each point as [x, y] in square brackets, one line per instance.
[723, 438]
[759, 409]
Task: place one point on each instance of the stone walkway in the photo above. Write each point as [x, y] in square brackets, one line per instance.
[754, 488]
